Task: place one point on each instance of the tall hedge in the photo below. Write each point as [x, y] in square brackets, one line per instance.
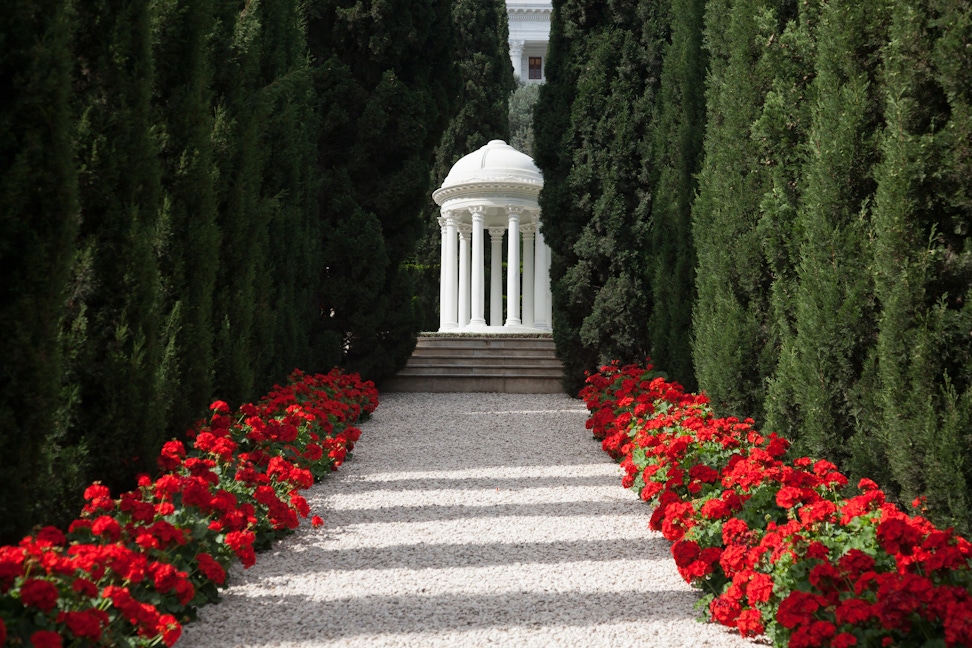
[290, 187]
[678, 154]
[188, 237]
[384, 102]
[481, 113]
[733, 348]
[595, 124]
[38, 219]
[241, 307]
[112, 326]
[922, 266]
[164, 215]
[820, 394]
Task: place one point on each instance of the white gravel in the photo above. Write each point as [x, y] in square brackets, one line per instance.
[466, 520]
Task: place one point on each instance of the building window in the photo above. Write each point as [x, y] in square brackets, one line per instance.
[536, 67]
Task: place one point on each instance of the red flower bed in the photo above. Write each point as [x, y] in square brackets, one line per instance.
[130, 570]
[772, 541]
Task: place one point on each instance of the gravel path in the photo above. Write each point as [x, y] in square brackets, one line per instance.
[466, 520]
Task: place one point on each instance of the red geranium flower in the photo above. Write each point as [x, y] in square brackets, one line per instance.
[812, 635]
[85, 587]
[797, 608]
[714, 509]
[759, 589]
[750, 623]
[211, 569]
[169, 628]
[45, 639]
[725, 609]
[789, 496]
[40, 594]
[733, 530]
[86, 624]
[844, 640]
[853, 612]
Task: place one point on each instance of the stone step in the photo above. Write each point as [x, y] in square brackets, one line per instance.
[498, 342]
[486, 359]
[490, 363]
[528, 355]
[500, 384]
[485, 370]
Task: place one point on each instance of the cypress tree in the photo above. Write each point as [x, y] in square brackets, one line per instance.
[111, 334]
[38, 217]
[677, 155]
[240, 306]
[819, 394]
[735, 337]
[922, 267]
[482, 60]
[604, 62]
[289, 188]
[188, 238]
[385, 97]
[522, 102]
[563, 217]
[780, 132]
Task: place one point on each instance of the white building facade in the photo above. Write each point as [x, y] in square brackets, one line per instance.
[529, 35]
[493, 190]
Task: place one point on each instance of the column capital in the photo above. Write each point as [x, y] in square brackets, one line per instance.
[450, 215]
[441, 221]
[478, 210]
[497, 232]
[515, 211]
[464, 230]
[529, 228]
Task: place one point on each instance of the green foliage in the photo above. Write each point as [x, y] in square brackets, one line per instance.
[735, 337]
[111, 331]
[187, 239]
[385, 90]
[240, 306]
[38, 195]
[290, 192]
[482, 63]
[175, 249]
[922, 261]
[678, 154]
[522, 103]
[596, 120]
[817, 397]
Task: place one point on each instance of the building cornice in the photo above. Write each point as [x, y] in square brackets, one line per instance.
[529, 14]
[491, 187]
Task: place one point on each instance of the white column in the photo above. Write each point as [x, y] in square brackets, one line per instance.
[496, 276]
[464, 234]
[546, 281]
[528, 269]
[443, 274]
[516, 57]
[478, 316]
[541, 283]
[450, 299]
[513, 268]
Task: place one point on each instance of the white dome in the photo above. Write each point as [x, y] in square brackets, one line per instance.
[497, 161]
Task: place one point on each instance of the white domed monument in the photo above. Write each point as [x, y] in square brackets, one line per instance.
[495, 190]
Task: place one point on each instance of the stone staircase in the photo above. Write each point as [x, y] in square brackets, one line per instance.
[489, 363]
